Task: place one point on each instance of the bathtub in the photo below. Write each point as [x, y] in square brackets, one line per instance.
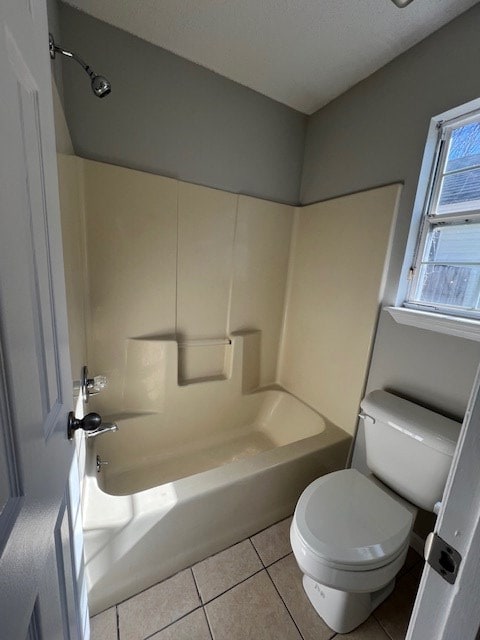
[160, 506]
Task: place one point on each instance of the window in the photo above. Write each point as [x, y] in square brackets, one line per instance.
[445, 277]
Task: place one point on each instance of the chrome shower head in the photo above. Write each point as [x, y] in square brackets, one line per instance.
[101, 87]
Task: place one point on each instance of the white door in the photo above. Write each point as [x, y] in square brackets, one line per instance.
[445, 611]
[37, 588]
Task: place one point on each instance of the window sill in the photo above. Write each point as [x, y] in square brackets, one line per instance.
[460, 327]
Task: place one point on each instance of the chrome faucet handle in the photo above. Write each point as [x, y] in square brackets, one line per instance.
[96, 384]
[105, 427]
[91, 386]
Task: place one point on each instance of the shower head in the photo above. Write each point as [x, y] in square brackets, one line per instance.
[101, 87]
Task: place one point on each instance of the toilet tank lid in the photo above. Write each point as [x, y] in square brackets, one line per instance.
[431, 429]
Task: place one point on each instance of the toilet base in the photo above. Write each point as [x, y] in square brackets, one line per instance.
[343, 611]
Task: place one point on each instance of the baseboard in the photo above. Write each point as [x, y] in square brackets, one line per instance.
[417, 543]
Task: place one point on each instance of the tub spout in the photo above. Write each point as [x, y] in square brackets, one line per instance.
[104, 428]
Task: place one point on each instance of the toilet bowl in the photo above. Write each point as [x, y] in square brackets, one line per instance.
[350, 532]
[350, 556]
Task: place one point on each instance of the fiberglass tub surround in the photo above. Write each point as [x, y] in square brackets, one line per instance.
[235, 336]
[169, 260]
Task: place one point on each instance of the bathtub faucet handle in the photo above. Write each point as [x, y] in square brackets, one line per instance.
[104, 428]
[91, 423]
[87, 386]
[96, 384]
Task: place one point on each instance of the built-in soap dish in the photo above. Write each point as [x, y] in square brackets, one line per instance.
[203, 360]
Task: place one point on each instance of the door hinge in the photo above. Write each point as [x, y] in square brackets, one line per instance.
[442, 557]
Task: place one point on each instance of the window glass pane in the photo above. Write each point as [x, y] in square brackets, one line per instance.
[449, 285]
[440, 280]
[464, 151]
[454, 243]
[460, 188]
[447, 266]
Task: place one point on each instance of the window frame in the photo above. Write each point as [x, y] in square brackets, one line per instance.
[428, 191]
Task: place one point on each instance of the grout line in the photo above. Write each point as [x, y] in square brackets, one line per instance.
[278, 560]
[196, 586]
[249, 538]
[118, 622]
[233, 586]
[208, 622]
[218, 553]
[270, 564]
[170, 624]
[258, 555]
[271, 525]
[397, 588]
[201, 600]
[117, 604]
[200, 606]
[239, 542]
[285, 604]
[381, 626]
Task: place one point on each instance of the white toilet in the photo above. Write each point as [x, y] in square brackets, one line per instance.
[350, 533]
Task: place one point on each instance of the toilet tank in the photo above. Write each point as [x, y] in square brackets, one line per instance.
[409, 448]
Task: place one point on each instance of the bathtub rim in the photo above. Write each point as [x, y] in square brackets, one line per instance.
[245, 463]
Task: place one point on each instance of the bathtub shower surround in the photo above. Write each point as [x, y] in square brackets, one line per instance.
[235, 334]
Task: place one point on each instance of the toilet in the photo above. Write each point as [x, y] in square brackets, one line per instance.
[350, 532]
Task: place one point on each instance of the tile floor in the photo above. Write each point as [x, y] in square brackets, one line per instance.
[251, 591]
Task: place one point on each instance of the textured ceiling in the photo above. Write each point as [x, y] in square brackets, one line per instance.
[303, 53]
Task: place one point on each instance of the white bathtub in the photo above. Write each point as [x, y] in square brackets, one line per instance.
[159, 507]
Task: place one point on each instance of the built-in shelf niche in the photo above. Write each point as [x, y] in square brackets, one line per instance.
[203, 359]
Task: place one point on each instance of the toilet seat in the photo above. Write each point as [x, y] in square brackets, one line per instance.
[346, 522]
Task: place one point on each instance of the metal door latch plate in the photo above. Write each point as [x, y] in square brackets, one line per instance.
[442, 557]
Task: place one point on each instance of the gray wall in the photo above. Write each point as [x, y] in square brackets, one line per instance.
[168, 116]
[375, 134]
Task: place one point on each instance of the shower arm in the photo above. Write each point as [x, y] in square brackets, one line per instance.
[54, 49]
